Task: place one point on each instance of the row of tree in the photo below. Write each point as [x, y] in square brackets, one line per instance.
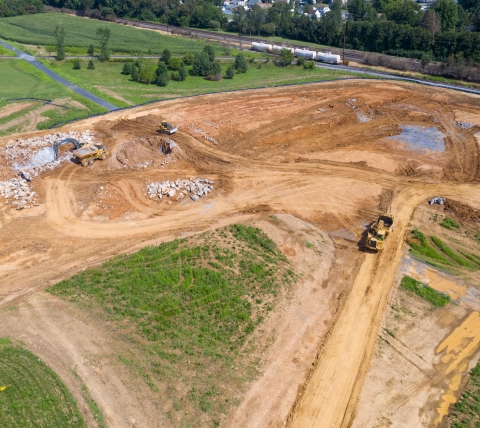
[104, 37]
[173, 68]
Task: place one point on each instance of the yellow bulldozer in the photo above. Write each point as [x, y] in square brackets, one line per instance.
[379, 231]
[166, 128]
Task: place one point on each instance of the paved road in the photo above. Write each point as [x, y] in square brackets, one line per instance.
[31, 59]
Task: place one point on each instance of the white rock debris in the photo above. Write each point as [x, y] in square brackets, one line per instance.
[19, 192]
[196, 187]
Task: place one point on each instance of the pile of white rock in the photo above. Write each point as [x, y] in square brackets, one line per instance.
[196, 187]
[18, 189]
[34, 155]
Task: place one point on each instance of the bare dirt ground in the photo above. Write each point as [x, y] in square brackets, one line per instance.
[268, 151]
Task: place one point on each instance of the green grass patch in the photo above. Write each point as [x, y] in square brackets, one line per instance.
[22, 80]
[82, 32]
[450, 253]
[466, 411]
[188, 309]
[425, 292]
[107, 82]
[448, 223]
[472, 257]
[6, 52]
[425, 251]
[33, 395]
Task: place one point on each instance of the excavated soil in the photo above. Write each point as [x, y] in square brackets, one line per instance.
[320, 153]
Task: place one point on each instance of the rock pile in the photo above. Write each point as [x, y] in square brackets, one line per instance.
[19, 191]
[196, 187]
[35, 155]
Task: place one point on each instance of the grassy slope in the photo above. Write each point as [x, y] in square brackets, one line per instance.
[81, 32]
[34, 394]
[188, 309]
[20, 80]
[466, 412]
[108, 75]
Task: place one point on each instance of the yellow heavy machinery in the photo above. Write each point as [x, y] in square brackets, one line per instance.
[379, 231]
[87, 153]
[166, 128]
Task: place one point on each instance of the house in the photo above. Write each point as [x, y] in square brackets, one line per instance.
[264, 5]
[252, 3]
[314, 13]
[323, 10]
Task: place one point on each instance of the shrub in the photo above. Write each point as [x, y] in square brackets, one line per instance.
[182, 74]
[91, 65]
[127, 68]
[188, 58]
[286, 57]
[174, 64]
[448, 223]
[166, 55]
[240, 63]
[210, 51]
[91, 50]
[147, 74]
[134, 73]
[162, 80]
[202, 65]
[216, 71]
[230, 72]
[309, 65]
[77, 65]
[300, 61]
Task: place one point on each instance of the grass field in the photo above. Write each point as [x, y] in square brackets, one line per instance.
[81, 32]
[20, 80]
[188, 310]
[466, 411]
[107, 81]
[5, 52]
[430, 295]
[31, 394]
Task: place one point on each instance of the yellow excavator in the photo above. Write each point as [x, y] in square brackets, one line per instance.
[166, 128]
[379, 231]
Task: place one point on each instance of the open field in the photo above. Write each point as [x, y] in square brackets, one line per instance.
[22, 80]
[309, 165]
[31, 391]
[81, 33]
[107, 81]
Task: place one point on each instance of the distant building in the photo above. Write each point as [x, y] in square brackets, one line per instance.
[323, 10]
[314, 13]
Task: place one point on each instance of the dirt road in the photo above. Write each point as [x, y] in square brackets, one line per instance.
[270, 151]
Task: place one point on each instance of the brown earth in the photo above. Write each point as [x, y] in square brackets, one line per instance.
[275, 151]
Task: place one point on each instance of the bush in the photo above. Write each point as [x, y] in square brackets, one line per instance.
[286, 57]
[300, 61]
[210, 51]
[188, 58]
[448, 223]
[174, 76]
[174, 64]
[91, 50]
[162, 80]
[166, 55]
[134, 73]
[202, 65]
[127, 68]
[77, 65]
[91, 65]
[309, 65]
[240, 63]
[147, 74]
[182, 74]
[216, 71]
[230, 72]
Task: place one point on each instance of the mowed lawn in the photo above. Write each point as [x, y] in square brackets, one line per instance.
[19, 79]
[107, 81]
[31, 394]
[81, 32]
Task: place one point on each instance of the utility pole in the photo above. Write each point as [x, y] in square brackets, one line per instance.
[344, 38]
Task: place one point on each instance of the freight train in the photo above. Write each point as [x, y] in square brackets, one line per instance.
[327, 57]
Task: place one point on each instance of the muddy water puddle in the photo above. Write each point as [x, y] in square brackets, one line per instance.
[421, 138]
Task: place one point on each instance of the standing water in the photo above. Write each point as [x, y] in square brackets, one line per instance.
[421, 138]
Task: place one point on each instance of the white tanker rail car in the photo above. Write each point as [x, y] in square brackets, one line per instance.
[328, 57]
[305, 53]
[278, 49]
[261, 47]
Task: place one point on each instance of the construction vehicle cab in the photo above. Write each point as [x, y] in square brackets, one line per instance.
[87, 153]
[376, 240]
[167, 128]
[379, 231]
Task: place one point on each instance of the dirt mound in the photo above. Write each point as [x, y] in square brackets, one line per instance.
[142, 151]
[462, 211]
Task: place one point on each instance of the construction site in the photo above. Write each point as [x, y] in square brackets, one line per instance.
[337, 174]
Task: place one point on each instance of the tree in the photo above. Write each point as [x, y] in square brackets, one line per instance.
[162, 80]
[286, 57]
[182, 73]
[216, 69]
[147, 74]
[470, 5]
[91, 50]
[188, 58]
[448, 13]
[202, 64]
[134, 73]
[210, 51]
[91, 65]
[77, 64]
[371, 14]
[431, 22]
[60, 34]
[403, 12]
[104, 34]
[162, 69]
[240, 63]
[357, 9]
[230, 72]
[174, 63]
[127, 68]
[166, 55]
